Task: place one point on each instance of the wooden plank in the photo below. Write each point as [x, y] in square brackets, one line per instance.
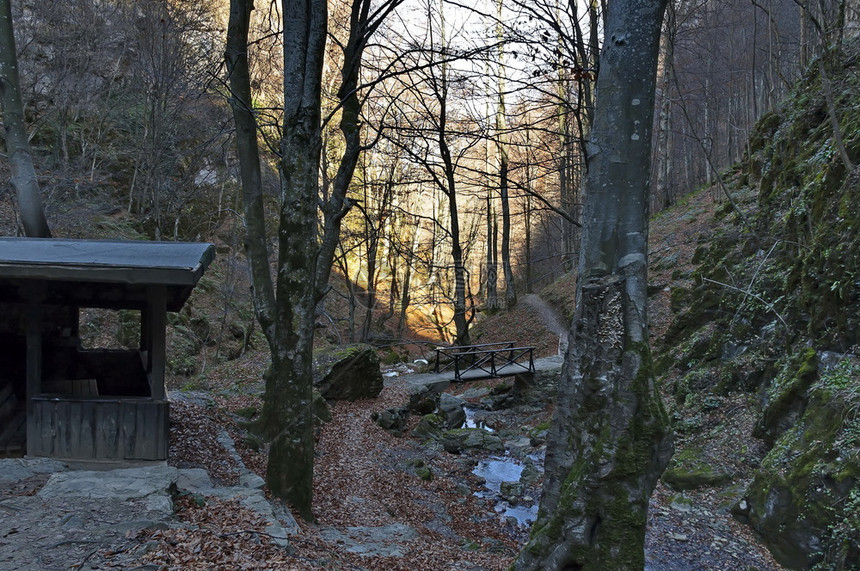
[40, 426]
[108, 437]
[101, 428]
[162, 424]
[64, 431]
[127, 432]
[13, 434]
[145, 429]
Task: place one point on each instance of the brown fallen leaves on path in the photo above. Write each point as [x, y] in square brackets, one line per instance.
[364, 477]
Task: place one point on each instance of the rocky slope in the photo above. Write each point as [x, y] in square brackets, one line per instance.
[768, 319]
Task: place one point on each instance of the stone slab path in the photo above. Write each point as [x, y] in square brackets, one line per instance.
[55, 517]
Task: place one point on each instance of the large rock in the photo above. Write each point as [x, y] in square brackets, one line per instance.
[347, 373]
[150, 483]
[786, 397]
[451, 409]
[805, 499]
[393, 419]
[689, 470]
[460, 439]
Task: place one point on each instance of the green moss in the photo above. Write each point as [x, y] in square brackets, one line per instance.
[618, 521]
[391, 357]
[809, 481]
[424, 473]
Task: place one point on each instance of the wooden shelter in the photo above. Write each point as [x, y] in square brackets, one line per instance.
[58, 399]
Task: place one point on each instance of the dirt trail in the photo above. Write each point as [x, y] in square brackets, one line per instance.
[551, 319]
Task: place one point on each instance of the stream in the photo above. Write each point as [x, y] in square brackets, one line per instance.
[500, 472]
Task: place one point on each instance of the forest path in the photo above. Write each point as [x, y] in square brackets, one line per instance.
[551, 318]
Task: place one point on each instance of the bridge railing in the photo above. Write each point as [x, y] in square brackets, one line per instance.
[488, 359]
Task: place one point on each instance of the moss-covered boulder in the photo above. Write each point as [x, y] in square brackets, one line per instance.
[785, 398]
[429, 428]
[805, 499]
[461, 439]
[350, 372]
[689, 470]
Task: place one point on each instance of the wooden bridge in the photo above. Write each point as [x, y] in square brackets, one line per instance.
[485, 361]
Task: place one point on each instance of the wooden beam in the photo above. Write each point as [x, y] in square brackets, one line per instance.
[156, 327]
[34, 369]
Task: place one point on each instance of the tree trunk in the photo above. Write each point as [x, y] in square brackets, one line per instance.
[502, 141]
[492, 267]
[287, 320]
[449, 188]
[370, 292]
[405, 294]
[287, 412]
[610, 439]
[236, 57]
[664, 151]
[17, 146]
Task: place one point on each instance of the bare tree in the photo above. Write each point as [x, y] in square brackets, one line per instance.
[288, 319]
[609, 441]
[17, 146]
[502, 143]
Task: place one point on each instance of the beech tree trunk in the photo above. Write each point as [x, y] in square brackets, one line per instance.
[492, 295]
[610, 438]
[17, 147]
[664, 150]
[287, 415]
[502, 142]
[288, 319]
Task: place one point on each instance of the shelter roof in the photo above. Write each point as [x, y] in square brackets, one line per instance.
[127, 266]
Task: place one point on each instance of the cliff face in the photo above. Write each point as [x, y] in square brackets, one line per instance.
[774, 310]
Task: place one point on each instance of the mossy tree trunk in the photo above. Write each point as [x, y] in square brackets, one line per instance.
[287, 415]
[17, 146]
[610, 438]
[285, 309]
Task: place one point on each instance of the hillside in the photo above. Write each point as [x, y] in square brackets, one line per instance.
[765, 326]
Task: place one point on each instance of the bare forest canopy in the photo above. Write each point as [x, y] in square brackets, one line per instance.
[126, 106]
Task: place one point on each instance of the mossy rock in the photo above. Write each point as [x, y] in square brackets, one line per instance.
[462, 439]
[786, 397]
[348, 372]
[805, 499]
[682, 479]
[430, 427]
[424, 472]
[688, 470]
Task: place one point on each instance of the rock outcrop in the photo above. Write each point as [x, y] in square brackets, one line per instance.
[347, 373]
[805, 499]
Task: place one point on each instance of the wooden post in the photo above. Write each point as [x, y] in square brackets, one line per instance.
[34, 370]
[156, 325]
